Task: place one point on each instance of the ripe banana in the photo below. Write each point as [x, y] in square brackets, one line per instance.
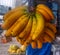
[47, 38]
[51, 26]
[34, 44]
[40, 41]
[50, 33]
[39, 44]
[20, 26]
[12, 19]
[39, 27]
[29, 39]
[9, 13]
[45, 14]
[25, 33]
[47, 9]
[41, 38]
[8, 32]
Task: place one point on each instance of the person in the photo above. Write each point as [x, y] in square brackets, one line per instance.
[46, 48]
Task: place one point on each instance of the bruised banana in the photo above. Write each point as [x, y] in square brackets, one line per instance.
[9, 13]
[29, 39]
[8, 32]
[47, 9]
[44, 13]
[47, 38]
[51, 26]
[39, 27]
[34, 44]
[50, 33]
[25, 33]
[12, 19]
[20, 26]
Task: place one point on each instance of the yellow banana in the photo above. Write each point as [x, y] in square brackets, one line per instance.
[20, 26]
[29, 39]
[47, 38]
[50, 33]
[44, 13]
[12, 19]
[34, 44]
[25, 33]
[41, 37]
[39, 44]
[40, 41]
[40, 26]
[47, 9]
[8, 32]
[9, 13]
[51, 26]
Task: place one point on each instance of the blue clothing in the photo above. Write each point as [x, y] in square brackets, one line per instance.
[45, 50]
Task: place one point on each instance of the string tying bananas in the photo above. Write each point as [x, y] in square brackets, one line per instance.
[30, 28]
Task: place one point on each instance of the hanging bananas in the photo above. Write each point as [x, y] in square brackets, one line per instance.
[30, 28]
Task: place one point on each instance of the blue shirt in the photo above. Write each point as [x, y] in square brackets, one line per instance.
[45, 50]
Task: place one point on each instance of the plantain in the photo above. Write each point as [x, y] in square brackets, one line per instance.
[39, 27]
[20, 26]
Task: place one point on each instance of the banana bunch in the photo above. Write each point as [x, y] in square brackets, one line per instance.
[30, 28]
[45, 11]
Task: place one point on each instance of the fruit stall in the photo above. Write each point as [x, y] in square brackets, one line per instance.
[30, 27]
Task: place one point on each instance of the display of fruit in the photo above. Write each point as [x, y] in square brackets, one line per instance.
[13, 48]
[28, 27]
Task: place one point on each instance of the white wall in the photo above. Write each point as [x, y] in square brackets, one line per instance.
[19, 2]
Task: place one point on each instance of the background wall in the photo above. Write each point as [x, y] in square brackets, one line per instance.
[9, 3]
